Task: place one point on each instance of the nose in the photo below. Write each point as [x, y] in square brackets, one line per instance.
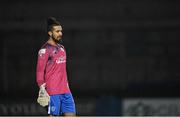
[60, 33]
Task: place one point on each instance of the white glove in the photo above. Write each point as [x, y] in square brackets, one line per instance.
[43, 97]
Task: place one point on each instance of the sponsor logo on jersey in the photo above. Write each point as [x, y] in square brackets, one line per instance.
[61, 59]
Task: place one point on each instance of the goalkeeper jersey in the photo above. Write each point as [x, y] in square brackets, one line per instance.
[51, 69]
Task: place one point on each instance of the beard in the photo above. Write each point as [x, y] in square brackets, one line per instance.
[57, 39]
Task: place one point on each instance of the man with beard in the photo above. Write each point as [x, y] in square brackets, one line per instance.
[51, 75]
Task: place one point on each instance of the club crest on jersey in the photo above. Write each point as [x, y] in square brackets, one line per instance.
[41, 52]
[61, 59]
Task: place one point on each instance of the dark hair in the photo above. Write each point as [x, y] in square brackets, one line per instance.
[51, 21]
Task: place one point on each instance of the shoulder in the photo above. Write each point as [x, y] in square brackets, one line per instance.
[60, 45]
[46, 46]
[44, 49]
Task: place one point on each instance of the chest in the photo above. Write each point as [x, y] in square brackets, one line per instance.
[58, 55]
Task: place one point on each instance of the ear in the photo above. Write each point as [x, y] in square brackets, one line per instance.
[49, 33]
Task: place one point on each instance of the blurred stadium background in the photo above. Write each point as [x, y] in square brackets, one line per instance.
[123, 55]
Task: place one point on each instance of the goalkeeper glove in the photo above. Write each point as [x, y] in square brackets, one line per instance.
[43, 97]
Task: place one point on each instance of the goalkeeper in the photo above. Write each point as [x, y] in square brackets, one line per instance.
[51, 74]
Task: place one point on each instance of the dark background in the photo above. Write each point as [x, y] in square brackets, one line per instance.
[115, 49]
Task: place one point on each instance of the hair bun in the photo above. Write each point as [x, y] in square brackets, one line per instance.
[51, 20]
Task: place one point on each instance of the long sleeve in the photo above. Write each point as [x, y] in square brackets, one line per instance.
[43, 55]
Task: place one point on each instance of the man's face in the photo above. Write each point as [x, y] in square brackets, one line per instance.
[56, 33]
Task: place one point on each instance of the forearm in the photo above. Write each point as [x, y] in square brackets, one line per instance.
[40, 78]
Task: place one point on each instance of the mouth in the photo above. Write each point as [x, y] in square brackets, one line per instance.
[59, 37]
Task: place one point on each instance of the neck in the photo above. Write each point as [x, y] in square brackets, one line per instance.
[51, 41]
